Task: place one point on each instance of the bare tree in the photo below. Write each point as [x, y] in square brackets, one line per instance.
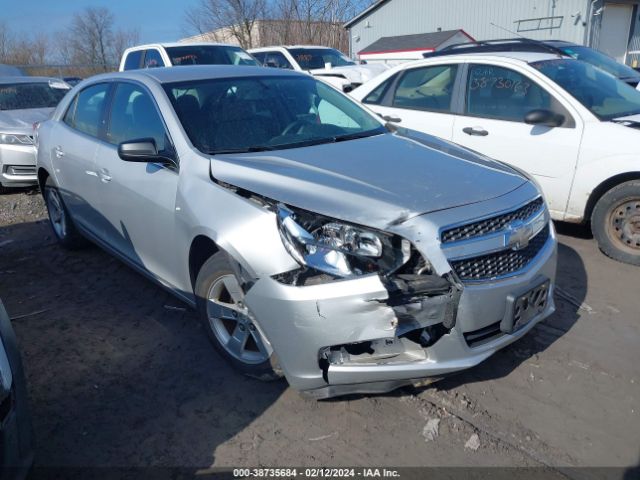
[237, 17]
[91, 39]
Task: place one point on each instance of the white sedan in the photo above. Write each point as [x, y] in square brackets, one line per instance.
[573, 127]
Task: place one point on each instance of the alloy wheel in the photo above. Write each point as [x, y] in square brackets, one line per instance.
[232, 322]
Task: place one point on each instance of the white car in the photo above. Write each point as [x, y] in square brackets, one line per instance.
[570, 125]
[174, 54]
[329, 64]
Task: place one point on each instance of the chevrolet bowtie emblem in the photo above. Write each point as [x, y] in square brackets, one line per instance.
[518, 235]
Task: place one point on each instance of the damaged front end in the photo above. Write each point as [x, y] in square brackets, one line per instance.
[420, 306]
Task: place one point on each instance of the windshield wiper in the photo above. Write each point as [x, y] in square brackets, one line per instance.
[260, 148]
[354, 136]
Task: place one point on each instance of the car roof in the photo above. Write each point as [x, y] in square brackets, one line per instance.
[180, 44]
[198, 72]
[526, 57]
[287, 47]
[28, 79]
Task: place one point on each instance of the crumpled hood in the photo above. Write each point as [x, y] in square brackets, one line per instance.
[375, 181]
[23, 120]
[353, 73]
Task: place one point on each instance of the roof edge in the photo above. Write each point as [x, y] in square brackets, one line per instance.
[365, 12]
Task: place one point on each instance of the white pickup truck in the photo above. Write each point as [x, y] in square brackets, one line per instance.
[174, 54]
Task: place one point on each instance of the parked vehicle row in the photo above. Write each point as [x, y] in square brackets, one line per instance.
[320, 242]
[571, 125]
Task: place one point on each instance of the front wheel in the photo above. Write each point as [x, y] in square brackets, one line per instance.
[229, 322]
[616, 222]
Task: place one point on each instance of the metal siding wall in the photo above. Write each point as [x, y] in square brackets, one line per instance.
[403, 17]
[633, 59]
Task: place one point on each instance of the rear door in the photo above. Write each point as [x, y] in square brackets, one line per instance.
[497, 99]
[419, 98]
[138, 200]
[73, 155]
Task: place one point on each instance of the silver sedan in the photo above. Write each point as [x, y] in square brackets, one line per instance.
[316, 242]
[24, 101]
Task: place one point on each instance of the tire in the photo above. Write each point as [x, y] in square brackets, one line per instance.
[615, 222]
[59, 219]
[228, 321]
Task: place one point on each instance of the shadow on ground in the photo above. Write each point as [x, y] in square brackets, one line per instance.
[119, 372]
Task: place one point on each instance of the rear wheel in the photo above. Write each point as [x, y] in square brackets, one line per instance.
[62, 225]
[230, 323]
[616, 222]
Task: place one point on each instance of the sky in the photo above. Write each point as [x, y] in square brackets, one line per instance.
[156, 20]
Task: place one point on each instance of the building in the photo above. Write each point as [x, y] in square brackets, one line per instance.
[610, 26]
[266, 33]
[404, 48]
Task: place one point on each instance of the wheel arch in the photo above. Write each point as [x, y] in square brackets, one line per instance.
[43, 174]
[604, 187]
[201, 249]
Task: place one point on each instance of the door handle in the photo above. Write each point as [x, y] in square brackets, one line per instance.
[477, 131]
[103, 173]
[58, 151]
[389, 118]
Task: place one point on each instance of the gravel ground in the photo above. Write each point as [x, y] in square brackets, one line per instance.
[118, 377]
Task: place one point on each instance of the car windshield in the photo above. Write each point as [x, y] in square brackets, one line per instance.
[602, 93]
[209, 55]
[316, 58]
[18, 96]
[600, 60]
[233, 115]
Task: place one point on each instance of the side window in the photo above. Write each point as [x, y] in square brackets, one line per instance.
[89, 107]
[501, 93]
[260, 56]
[377, 95]
[277, 60]
[71, 111]
[152, 59]
[134, 116]
[426, 88]
[133, 60]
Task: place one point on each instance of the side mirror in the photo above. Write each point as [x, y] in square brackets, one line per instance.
[142, 150]
[544, 117]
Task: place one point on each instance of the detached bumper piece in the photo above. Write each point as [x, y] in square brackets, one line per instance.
[425, 307]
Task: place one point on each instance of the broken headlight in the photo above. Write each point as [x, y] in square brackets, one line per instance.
[339, 248]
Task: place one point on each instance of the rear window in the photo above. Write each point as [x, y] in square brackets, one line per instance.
[18, 96]
[133, 60]
[209, 55]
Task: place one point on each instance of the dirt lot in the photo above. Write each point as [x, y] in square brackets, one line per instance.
[119, 377]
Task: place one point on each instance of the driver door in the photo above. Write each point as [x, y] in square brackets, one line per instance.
[496, 102]
[138, 199]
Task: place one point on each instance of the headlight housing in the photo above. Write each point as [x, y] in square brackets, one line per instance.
[15, 139]
[339, 248]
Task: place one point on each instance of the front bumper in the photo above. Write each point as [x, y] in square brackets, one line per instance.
[300, 322]
[18, 165]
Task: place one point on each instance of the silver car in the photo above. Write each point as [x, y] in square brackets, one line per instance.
[315, 243]
[24, 101]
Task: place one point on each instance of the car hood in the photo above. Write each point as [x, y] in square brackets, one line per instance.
[353, 73]
[376, 181]
[24, 119]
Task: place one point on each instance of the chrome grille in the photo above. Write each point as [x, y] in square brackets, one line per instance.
[490, 225]
[485, 267]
